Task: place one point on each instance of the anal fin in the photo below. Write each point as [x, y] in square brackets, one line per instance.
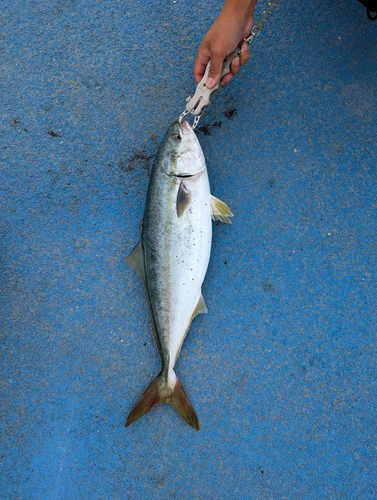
[200, 308]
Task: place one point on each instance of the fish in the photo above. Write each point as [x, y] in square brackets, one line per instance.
[172, 258]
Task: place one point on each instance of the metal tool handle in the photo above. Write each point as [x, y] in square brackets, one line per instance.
[202, 96]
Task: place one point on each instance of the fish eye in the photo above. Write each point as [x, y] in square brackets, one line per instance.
[177, 137]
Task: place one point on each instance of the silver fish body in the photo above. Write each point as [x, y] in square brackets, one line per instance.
[173, 255]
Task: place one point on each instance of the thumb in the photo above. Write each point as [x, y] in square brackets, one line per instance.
[217, 60]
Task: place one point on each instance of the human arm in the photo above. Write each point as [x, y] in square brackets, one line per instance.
[233, 24]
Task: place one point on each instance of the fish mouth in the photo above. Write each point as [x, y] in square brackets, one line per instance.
[184, 176]
[186, 128]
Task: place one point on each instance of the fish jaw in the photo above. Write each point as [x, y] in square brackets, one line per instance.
[186, 128]
[191, 160]
[180, 152]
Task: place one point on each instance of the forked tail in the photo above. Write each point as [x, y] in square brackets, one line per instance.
[161, 391]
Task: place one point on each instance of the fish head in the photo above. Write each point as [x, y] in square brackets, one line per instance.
[184, 153]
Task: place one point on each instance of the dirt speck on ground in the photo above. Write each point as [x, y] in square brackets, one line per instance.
[53, 134]
[229, 113]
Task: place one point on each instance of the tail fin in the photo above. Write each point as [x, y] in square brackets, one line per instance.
[160, 391]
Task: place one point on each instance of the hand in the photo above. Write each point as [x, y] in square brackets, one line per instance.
[233, 24]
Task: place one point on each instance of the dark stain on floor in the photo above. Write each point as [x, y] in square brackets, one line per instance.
[16, 122]
[268, 287]
[206, 129]
[140, 159]
[229, 113]
[53, 134]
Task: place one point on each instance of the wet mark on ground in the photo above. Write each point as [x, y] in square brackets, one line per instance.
[53, 134]
[207, 129]
[139, 160]
[229, 113]
[268, 287]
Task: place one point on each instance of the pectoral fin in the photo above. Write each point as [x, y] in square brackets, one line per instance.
[220, 211]
[183, 198]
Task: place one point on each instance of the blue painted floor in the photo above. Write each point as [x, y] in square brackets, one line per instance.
[282, 369]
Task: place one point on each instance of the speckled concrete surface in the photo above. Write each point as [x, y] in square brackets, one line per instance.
[282, 370]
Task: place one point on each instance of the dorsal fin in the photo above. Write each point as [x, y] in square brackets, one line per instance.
[136, 261]
[220, 211]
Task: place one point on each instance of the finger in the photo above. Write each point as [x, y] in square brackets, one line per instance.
[226, 79]
[245, 53]
[235, 66]
[200, 65]
[215, 69]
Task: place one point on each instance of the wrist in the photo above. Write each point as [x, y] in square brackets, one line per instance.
[240, 9]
